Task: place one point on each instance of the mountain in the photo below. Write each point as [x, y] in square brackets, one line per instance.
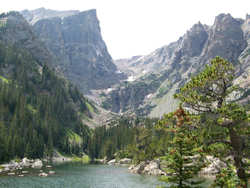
[74, 38]
[33, 16]
[164, 71]
[40, 110]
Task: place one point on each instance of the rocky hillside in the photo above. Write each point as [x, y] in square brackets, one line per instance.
[175, 63]
[18, 32]
[80, 51]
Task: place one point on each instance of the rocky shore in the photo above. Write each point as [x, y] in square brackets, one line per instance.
[148, 167]
[155, 167]
[20, 168]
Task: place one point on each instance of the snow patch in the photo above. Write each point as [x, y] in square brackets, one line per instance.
[131, 79]
[109, 90]
[149, 96]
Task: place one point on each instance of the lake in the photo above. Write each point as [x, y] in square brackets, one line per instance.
[77, 175]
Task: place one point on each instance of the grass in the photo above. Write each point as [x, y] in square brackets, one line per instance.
[85, 159]
[73, 137]
[5, 80]
[90, 107]
[31, 109]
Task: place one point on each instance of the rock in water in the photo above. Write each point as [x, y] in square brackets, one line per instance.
[112, 162]
[52, 172]
[43, 174]
[37, 164]
[125, 161]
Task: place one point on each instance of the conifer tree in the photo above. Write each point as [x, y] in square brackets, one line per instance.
[210, 94]
[184, 157]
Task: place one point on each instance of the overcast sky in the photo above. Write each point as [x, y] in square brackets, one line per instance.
[138, 27]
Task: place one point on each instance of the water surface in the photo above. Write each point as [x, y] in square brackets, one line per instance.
[75, 175]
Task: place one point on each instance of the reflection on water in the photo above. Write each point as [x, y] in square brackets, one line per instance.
[76, 175]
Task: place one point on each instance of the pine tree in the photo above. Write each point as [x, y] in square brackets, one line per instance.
[184, 157]
[209, 94]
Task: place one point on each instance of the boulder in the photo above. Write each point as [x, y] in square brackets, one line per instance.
[25, 172]
[214, 166]
[43, 174]
[6, 169]
[148, 167]
[125, 161]
[138, 169]
[26, 162]
[153, 168]
[48, 166]
[11, 173]
[52, 172]
[37, 164]
[112, 162]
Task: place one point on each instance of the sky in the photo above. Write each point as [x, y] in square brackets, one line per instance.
[138, 27]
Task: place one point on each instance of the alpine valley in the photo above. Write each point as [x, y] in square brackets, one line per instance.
[63, 96]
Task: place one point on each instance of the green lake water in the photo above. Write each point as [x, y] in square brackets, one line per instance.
[75, 175]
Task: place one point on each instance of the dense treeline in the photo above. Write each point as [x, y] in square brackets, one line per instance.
[115, 139]
[39, 111]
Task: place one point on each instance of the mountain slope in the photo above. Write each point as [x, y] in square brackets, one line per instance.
[38, 107]
[175, 63]
[81, 53]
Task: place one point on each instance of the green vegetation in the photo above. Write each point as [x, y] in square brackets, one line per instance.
[4, 79]
[215, 126]
[90, 107]
[184, 158]
[208, 95]
[37, 116]
[85, 159]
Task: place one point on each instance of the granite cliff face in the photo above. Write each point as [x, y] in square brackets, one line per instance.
[18, 32]
[80, 51]
[175, 63]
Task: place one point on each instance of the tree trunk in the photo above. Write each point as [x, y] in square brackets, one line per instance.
[238, 146]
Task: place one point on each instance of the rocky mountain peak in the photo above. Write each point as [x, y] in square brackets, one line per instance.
[75, 40]
[194, 40]
[32, 16]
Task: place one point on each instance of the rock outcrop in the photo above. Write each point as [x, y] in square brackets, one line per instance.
[214, 166]
[24, 163]
[124, 161]
[175, 63]
[34, 16]
[149, 168]
[81, 53]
